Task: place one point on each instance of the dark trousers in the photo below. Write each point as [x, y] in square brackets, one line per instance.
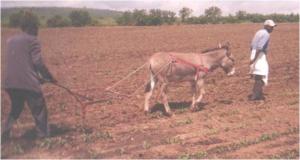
[37, 105]
[257, 91]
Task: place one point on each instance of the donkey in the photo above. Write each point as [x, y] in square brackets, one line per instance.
[166, 67]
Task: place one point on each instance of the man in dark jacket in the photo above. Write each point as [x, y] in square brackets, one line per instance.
[23, 71]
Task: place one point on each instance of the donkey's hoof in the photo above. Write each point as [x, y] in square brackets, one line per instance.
[194, 109]
[146, 112]
[169, 114]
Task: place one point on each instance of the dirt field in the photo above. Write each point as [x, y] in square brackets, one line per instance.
[226, 126]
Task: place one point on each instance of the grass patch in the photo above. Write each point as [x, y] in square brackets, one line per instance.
[92, 154]
[294, 102]
[156, 115]
[212, 131]
[182, 123]
[146, 145]
[47, 143]
[18, 149]
[50, 143]
[200, 155]
[185, 156]
[264, 137]
[103, 135]
[229, 113]
[173, 140]
[244, 143]
[87, 137]
[181, 110]
[197, 155]
[61, 141]
[289, 93]
[120, 151]
[289, 154]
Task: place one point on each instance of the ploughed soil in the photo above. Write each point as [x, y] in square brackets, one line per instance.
[226, 125]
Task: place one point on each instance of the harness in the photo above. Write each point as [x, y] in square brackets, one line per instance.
[197, 67]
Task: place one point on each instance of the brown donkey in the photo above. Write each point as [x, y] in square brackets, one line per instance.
[166, 67]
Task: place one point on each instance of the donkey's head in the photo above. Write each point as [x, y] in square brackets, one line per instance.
[227, 62]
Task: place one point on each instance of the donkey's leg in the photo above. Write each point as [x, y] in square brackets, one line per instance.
[194, 91]
[201, 91]
[165, 99]
[200, 85]
[159, 94]
[148, 92]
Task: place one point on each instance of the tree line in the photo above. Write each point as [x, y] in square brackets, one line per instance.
[153, 17]
[212, 15]
[76, 18]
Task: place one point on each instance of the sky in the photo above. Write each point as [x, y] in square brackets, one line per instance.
[198, 6]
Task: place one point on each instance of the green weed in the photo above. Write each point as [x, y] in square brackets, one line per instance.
[120, 151]
[18, 149]
[47, 143]
[200, 155]
[182, 122]
[146, 145]
[184, 156]
[229, 113]
[173, 140]
[103, 135]
[92, 154]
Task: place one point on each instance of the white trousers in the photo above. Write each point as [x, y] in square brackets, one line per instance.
[260, 66]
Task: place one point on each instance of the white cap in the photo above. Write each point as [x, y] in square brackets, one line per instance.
[270, 22]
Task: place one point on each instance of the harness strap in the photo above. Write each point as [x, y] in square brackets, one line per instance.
[199, 68]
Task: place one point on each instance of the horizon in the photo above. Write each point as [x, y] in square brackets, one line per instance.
[198, 7]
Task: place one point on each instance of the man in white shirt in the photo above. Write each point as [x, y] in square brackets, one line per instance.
[259, 68]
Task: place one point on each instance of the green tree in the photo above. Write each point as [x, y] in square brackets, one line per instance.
[293, 17]
[241, 15]
[15, 19]
[23, 17]
[80, 18]
[256, 18]
[58, 21]
[168, 17]
[155, 17]
[230, 19]
[126, 19]
[185, 13]
[213, 14]
[139, 17]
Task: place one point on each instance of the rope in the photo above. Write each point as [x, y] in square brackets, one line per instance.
[108, 89]
[126, 77]
[149, 80]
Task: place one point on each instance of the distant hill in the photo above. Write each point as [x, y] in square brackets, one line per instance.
[46, 12]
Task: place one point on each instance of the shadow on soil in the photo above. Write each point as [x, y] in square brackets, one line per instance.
[159, 107]
[55, 130]
[27, 141]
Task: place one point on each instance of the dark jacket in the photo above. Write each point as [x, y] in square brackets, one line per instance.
[24, 66]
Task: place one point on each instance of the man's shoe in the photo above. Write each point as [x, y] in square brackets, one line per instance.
[256, 98]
